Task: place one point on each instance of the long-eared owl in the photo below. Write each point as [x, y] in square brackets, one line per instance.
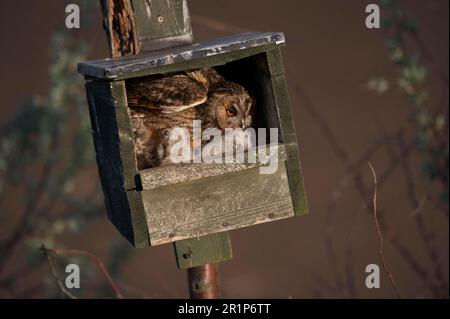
[159, 104]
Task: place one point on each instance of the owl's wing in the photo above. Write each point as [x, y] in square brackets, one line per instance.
[169, 94]
[208, 76]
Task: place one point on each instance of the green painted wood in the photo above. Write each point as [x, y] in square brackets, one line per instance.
[217, 203]
[275, 61]
[129, 166]
[288, 133]
[154, 178]
[138, 219]
[210, 61]
[126, 142]
[296, 182]
[106, 141]
[162, 23]
[151, 61]
[198, 251]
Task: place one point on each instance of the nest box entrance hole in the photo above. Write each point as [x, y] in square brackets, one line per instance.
[253, 74]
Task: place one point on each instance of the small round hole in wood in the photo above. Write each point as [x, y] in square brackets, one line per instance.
[187, 255]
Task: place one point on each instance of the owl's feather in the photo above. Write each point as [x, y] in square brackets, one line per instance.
[158, 104]
[175, 93]
[170, 94]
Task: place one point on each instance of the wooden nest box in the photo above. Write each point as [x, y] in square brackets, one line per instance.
[170, 203]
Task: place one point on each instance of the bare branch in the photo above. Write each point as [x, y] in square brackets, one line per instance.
[326, 130]
[420, 206]
[7, 247]
[380, 235]
[51, 263]
[426, 235]
[96, 260]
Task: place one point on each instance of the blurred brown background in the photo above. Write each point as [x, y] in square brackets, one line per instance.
[331, 56]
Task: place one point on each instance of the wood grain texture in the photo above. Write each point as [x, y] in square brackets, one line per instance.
[107, 147]
[120, 27]
[198, 251]
[163, 23]
[130, 66]
[216, 204]
[206, 61]
[179, 173]
[126, 143]
[267, 106]
[129, 166]
[138, 219]
[275, 62]
[289, 137]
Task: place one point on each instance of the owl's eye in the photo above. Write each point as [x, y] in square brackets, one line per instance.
[231, 112]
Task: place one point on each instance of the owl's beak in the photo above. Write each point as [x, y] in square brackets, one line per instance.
[243, 125]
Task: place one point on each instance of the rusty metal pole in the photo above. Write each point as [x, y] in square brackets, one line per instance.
[203, 282]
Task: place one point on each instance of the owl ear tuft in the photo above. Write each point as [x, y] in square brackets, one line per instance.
[220, 91]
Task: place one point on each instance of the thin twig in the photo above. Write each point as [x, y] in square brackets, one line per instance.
[420, 206]
[61, 286]
[426, 235]
[355, 176]
[428, 57]
[327, 132]
[380, 234]
[358, 183]
[96, 260]
[8, 246]
[410, 189]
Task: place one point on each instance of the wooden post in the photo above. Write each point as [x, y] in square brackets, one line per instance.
[128, 33]
[120, 27]
[200, 256]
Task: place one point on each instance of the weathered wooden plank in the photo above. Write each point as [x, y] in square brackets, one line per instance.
[289, 138]
[138, 219]
[216, 204]
[198, 251]
[126, 144]
[265, 99]
[144, 61]
[275, 61]
[296, 182]
[163, 23]
[281, 95]
[211, 61]
[106, 141]
[129, 166]
[178, 173]
[119, 24]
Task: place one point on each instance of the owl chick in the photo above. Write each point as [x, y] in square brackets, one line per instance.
[175, 101]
